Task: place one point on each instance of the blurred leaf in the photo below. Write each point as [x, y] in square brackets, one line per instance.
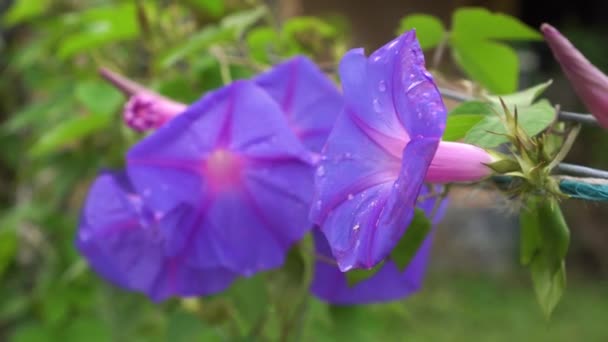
[202, 40]
[473, 107]
[522, 98]
[29, 54]
[457, 126]
[98, 26]
[412, 239]
[261, 41]
[31, 332]
[39, 113]
[479, 23]
[494, 65]
[355, 276]
[238, 22]
[179, 89]
[549, 285]
[8, 247]
[86, 329]
[185, 327]
[23, 10]
[68, 132]
[215, 8]
[98, 97]
[55, 306]
[249, 297]
[13, 305]
[429, 29]
[533, 119]
[305, 35]
[295, 25]
[544, 243]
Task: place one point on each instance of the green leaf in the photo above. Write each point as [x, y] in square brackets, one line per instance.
[238, 22]
[250, 298]
[549, 285]
[31, 332]
[261, 41]
[479, 23]
[185, 327]
[522, 98]
[457, 126]
[215, 8]
[492, 64]
[98, 26]
[201, 40]
[533, 119]
[429, 29]
[355, 276]
[529, 231]
[473, 107]
[544, 243]
[411, 241]
[295, 25]
[69, 132]
[98, 97]
[86, 329]
[8, 248]
[23, 10]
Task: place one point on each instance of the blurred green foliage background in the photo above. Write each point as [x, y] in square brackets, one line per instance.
[60, 125]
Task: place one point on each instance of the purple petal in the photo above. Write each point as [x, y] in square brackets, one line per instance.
[308, 97]
[233, 159]
[378, 153]
[123, 243]
[331, 285]
[389, 283]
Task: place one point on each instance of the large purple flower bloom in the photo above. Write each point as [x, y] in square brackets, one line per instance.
[380, 151]
[389, 283]
[308, 98]
[231, 157]
[122, 241]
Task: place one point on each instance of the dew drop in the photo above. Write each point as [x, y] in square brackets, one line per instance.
[350, 196]
[318, 204]
[356, 227]
[377, 106]
[382, 86]
[320, 171]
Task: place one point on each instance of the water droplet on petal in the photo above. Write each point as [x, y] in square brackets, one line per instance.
[377, 106]
[382, 86]
[318, 204]
[350, 196]
[356, 227]
[320, 171]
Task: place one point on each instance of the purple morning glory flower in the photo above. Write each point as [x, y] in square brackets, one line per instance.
[389, 283]
[381, 150]
[307, 96]
[122, 241]
[231, 157]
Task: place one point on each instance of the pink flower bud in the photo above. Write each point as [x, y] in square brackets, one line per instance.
[458, 162]
[589, 83]
[145, 109]
[148, 110]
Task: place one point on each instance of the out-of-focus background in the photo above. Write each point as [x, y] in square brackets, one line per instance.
[60, 124]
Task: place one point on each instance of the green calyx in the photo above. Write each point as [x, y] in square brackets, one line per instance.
[527, 170]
